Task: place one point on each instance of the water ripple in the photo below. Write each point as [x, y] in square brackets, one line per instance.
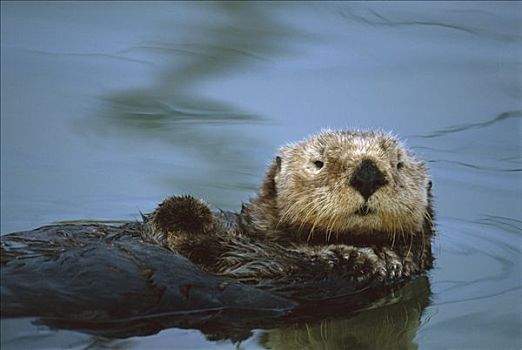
[469, 126]
[87, 54]
[474, 166]
[194, 49]
[378, 19]
[503, 223]
[480, 297]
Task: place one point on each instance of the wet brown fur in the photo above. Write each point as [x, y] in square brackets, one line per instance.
[306, 221]
[299, 202]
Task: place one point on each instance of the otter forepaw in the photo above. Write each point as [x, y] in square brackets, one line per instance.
[394, 264]
[183, 214]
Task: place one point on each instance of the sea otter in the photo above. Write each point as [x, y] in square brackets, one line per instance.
[356, 204]
[341, 219]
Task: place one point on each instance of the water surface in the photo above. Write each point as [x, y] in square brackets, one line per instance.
[107, 108]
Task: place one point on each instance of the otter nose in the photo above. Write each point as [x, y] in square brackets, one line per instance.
[367, 179]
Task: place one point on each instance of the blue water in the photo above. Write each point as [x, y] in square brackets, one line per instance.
[107, 108]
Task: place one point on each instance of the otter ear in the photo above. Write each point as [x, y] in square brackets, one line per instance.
[268, 189]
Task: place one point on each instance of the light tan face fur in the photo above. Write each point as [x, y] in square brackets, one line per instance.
[323, 199]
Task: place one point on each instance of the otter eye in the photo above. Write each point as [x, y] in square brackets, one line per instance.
[400, 165]
[318, 164]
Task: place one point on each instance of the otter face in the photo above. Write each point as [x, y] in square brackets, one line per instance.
[351, 181]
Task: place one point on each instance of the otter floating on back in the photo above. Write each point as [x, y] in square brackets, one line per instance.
[344, 215]
[351, 203]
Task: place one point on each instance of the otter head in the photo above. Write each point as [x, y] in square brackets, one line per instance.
[348, 182]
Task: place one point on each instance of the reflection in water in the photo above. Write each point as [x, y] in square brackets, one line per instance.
[390, 322]
[392, 326]
[172, 111]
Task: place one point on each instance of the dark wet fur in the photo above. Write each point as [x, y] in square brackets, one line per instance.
[184, 213]
[226, 250]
